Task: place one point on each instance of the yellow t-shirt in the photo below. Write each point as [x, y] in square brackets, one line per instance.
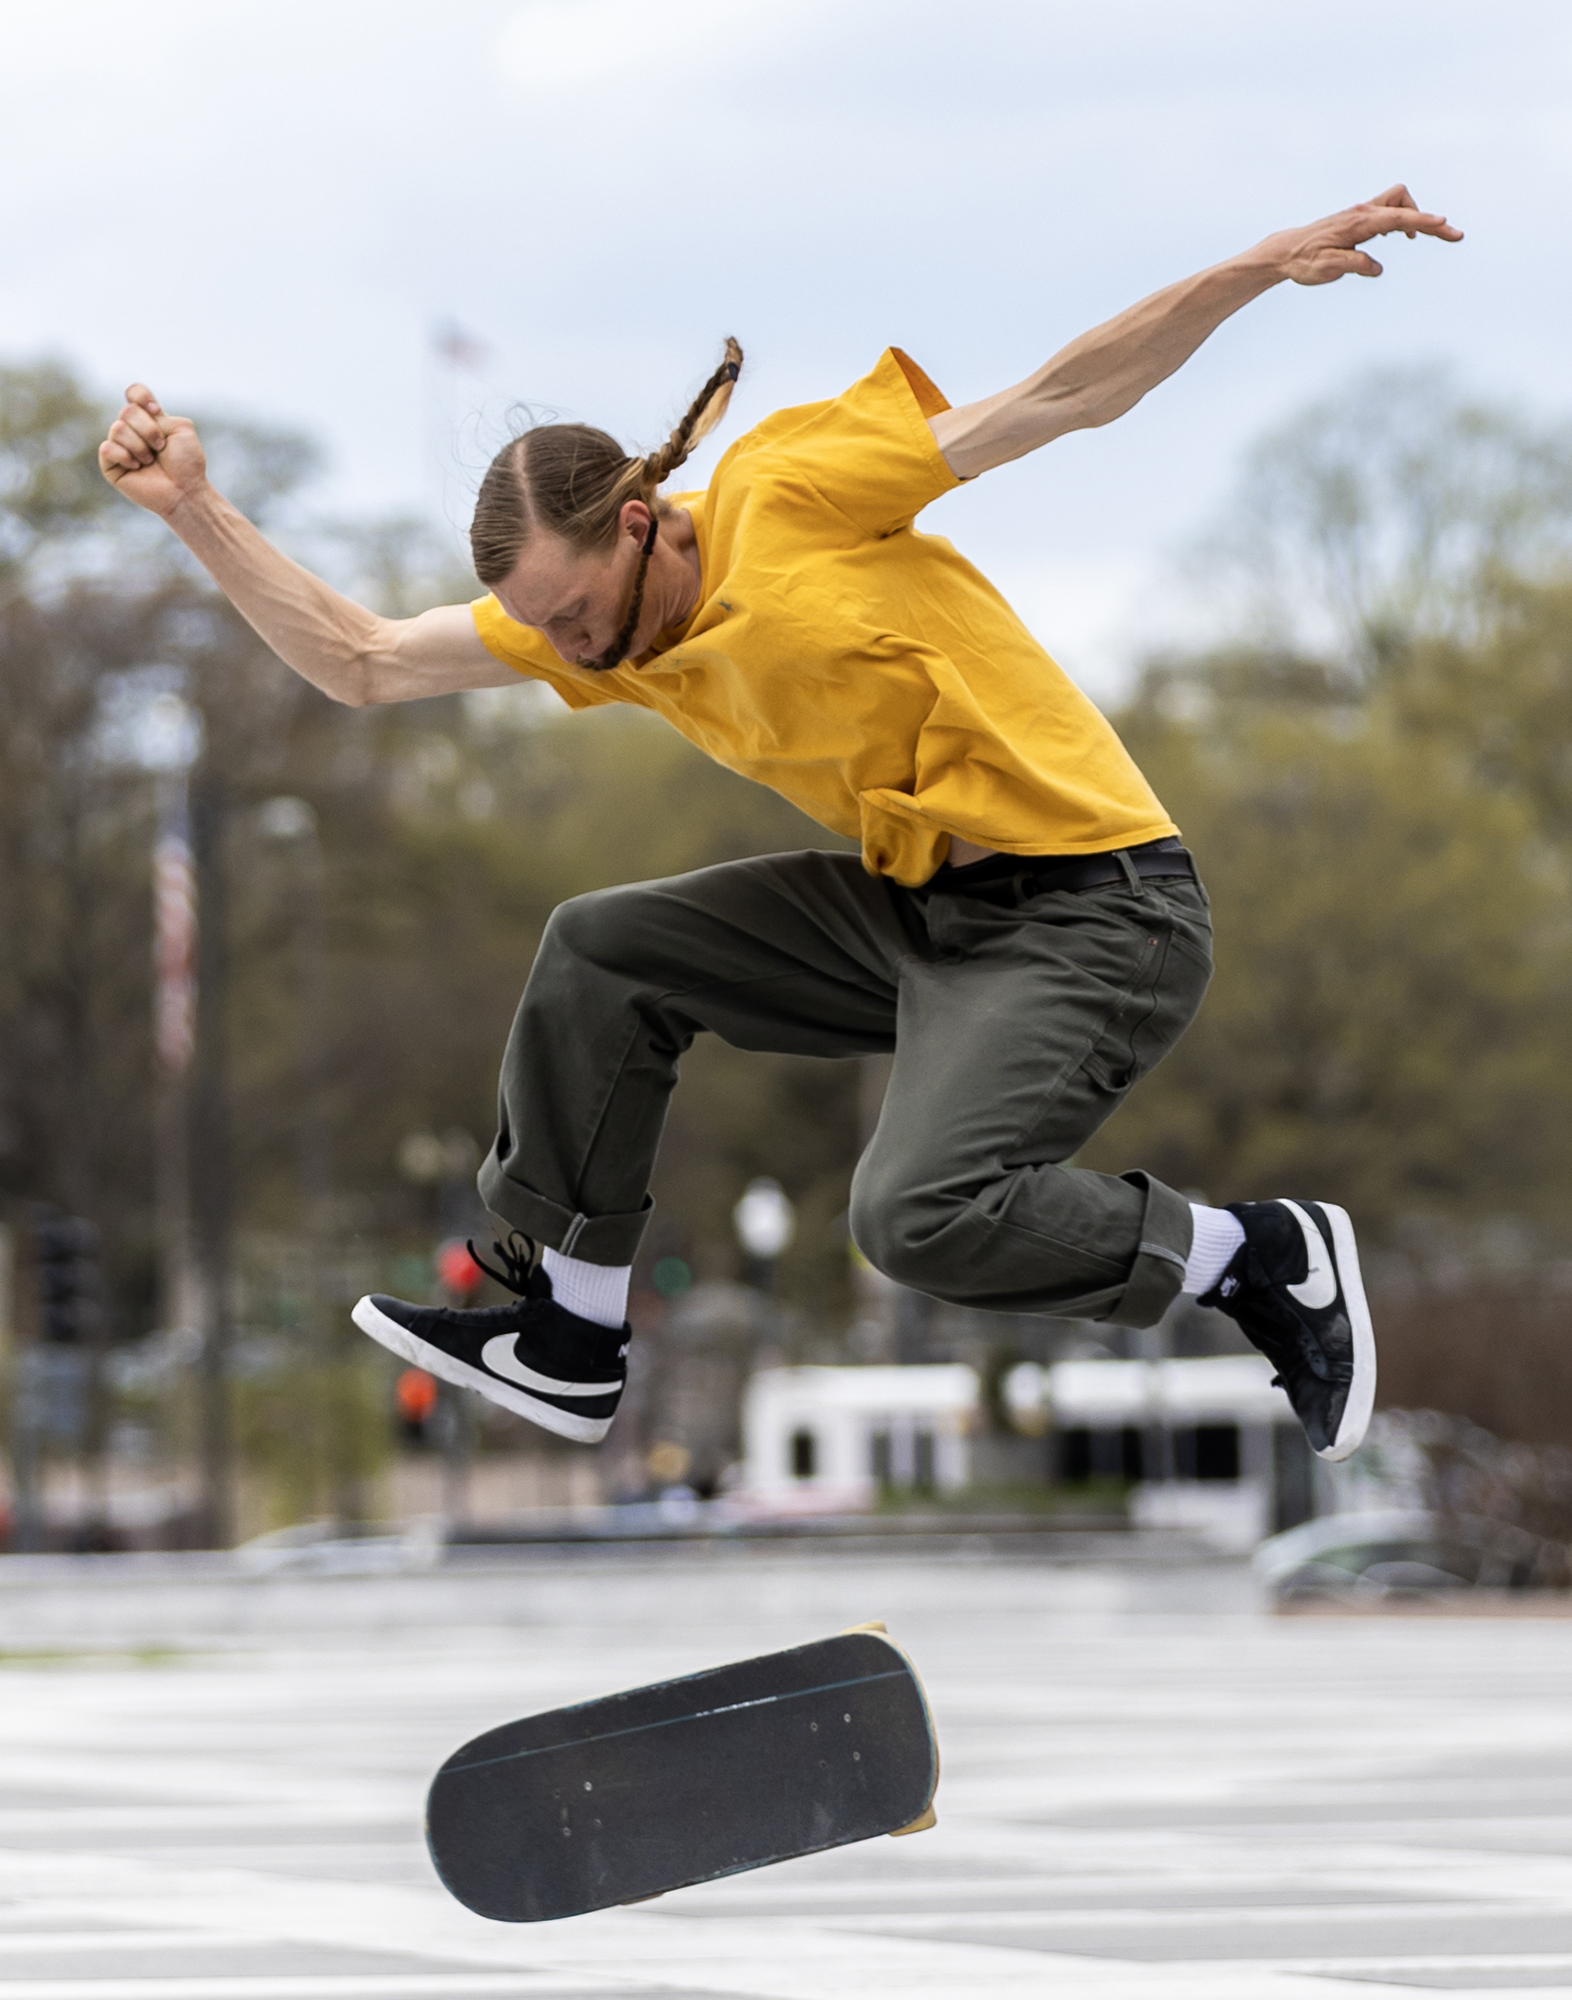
[865, 671]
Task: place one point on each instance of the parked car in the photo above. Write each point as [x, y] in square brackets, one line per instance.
[1364, 1556]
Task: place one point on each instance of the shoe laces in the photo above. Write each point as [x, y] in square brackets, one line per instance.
[517, 1257]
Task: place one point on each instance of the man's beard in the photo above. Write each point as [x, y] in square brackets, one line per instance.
[617, 651]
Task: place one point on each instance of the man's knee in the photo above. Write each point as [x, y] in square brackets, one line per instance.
[901, 1232]
[595, 928]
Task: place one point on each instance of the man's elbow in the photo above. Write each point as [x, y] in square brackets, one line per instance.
[346, 682]
[350, 697]
[365, 678]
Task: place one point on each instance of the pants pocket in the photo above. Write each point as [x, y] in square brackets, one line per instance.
[1161, 1002]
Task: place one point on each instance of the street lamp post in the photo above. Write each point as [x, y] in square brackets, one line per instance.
[765, 1222]
[192, 1187]
[211, 1182]
[446, 1165]
[292, 823]
[170, 742]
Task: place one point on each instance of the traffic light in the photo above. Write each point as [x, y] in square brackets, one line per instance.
[415, 1395]
[70, 1292]
[457, 1272]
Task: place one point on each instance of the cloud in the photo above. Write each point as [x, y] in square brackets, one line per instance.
[550, 44]
[93, 38]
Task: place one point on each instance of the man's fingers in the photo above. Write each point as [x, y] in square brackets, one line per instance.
[138, 449]
[114, 462]
[1412, 222]
[146, 426]
[1387, 218]
[1431, 225]
[140, 393]
[1332, 264]
[1330, 249]
[1384, 215]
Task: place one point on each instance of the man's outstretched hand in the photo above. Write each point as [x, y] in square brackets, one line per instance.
[153, 459]
[1328, 250]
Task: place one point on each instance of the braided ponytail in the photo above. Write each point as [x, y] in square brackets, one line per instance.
[704, 413]
[573, 481]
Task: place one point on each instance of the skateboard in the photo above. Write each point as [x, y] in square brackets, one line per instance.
[621, 1799]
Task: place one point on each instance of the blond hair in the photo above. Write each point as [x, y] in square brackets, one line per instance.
[574, 481]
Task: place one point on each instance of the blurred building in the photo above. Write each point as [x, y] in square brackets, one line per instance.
[838, 1437]
[1206, 1442]
[699, 1351]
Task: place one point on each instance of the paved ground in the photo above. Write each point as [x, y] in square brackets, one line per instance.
[1150, 1788]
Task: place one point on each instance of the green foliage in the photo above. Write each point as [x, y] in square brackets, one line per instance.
[1380, 799]
[50, 431]
[1384, 823]
[472, 820]
[1393, 959]
[259, 466]
[1392, 510]
[316, 1433]
[1502, 706]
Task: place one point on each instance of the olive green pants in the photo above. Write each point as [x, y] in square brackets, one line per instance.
[1016, 1032]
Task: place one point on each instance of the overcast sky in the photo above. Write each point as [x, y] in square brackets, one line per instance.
[267, 205]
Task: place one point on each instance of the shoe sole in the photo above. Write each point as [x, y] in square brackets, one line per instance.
[437, 1361]
[1361, 1391]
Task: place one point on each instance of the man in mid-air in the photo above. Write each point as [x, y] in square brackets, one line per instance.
[1022, 927]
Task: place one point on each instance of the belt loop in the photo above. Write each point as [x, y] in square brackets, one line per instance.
[1122, 856]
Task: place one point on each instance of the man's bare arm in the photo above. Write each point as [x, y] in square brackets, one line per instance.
[1109, 370]
[349, 652]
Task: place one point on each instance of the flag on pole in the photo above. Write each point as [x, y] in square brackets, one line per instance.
[457, 347]
[174, 935]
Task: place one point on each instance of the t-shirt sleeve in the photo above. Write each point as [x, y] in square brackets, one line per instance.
[870, 452]
[527, 652]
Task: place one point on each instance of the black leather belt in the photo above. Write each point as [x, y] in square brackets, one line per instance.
[1011, 878]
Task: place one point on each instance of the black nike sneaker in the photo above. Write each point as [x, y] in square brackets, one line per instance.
[533, 1357]
[1294, 1287]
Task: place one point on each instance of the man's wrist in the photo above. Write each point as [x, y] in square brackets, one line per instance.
[194, 508]
[1263, 264]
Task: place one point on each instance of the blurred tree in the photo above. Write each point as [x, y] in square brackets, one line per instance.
[1392, 961]
[50, 431]
[75, 1008]
[452, 830]
[1381, 800]
[97, 620]
[1502, 706]
[1380, 795]
[1390, 511]
[307, 1425]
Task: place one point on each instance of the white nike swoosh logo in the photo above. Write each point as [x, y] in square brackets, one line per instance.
[500, 1356]
[1318, 1287]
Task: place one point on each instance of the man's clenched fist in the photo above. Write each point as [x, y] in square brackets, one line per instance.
[154, 459]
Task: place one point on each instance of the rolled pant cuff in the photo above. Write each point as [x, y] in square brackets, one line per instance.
[1157, 1276]
[597, 1239]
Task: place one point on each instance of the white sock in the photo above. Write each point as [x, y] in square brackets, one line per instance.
[1217, 1236]
[593, 1291]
